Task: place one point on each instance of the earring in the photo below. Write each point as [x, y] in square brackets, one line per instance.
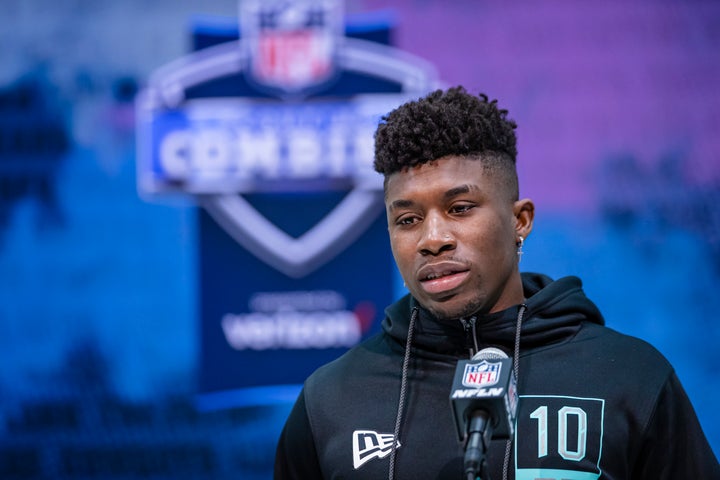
[519, 245]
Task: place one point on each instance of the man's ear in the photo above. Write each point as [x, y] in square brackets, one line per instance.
[524, 211]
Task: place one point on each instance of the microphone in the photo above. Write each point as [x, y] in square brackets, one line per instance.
[484, 403]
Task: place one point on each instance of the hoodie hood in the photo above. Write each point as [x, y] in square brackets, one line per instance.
[555, 313]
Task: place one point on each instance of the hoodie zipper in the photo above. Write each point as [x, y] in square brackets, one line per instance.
[470, 335]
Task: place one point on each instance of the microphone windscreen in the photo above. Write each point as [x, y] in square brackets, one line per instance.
[489, 353]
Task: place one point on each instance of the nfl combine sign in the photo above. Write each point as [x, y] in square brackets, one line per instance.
[269, 127]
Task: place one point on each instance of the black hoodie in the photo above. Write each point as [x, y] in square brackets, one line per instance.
[594, 404]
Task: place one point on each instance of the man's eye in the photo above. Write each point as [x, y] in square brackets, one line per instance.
[461, 208]
[406, 220]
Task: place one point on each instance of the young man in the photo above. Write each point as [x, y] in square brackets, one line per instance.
[594, 404]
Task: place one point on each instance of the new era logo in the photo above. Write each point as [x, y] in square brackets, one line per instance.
[368, 444]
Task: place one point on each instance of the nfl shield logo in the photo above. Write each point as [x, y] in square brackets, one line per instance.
[291, 44]
[483, 374]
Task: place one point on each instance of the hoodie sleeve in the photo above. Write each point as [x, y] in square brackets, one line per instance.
[295, 457]
[674, 445]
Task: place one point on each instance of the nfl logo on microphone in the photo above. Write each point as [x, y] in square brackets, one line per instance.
[483, 374]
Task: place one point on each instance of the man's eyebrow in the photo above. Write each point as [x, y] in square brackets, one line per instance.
[453, 192]
[459, 190]
[401, 203]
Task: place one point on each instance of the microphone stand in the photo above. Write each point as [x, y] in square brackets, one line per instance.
[479, 433]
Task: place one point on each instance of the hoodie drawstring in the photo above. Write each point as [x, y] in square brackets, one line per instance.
[404, 381]
[516, 370]
[403, 393]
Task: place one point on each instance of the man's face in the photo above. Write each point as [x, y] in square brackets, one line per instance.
[453, 231]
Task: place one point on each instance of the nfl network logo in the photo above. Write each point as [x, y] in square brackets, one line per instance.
[483, 374]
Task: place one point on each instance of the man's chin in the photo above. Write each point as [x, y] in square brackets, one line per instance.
[453, 310]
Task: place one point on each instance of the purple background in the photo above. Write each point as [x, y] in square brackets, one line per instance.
[618, 116]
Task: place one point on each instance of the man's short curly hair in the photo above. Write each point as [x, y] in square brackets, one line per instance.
[451, 122]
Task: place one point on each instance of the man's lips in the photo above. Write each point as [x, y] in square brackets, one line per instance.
[442, 277]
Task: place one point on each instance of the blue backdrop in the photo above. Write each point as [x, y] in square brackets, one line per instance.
[618, 116]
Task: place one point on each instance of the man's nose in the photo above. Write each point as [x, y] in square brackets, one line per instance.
[436, 236]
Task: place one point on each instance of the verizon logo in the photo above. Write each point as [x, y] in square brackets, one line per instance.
[368, 444]
[301, 330]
